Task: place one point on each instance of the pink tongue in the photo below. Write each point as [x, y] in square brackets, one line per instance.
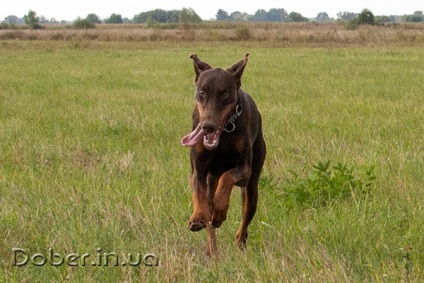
[194, 137]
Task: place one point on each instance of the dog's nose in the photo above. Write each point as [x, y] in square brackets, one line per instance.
[208, 127]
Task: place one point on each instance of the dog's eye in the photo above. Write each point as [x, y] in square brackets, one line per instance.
[225, 95]
[201, 93]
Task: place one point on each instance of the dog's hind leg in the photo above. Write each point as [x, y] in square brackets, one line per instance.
[250, 201]
[250, 192]
[212, 183]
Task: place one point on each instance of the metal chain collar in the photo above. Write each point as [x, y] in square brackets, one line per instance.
[232, 119]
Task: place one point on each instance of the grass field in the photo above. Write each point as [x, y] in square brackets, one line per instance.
[91, 163]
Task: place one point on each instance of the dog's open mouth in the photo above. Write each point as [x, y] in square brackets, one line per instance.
[210, 140]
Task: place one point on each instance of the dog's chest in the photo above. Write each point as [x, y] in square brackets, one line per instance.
[226, 157]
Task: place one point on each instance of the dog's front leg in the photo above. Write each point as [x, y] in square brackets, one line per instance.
[238, 176]
[212, 249]
[201, 213]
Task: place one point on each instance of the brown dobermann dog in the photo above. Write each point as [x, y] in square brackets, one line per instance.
[227, 149]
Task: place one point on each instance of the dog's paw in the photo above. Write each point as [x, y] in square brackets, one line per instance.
[218, 216]
[197, 222]
[240, 239]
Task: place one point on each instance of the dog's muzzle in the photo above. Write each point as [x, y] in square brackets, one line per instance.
[207, 134]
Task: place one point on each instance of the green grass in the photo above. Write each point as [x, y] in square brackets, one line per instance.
[90, 158]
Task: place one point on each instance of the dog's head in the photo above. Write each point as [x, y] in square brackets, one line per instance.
[216, 96]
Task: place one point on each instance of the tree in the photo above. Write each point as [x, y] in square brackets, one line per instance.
[381, 20]
[239, 16]
[32, 20]
[260, 15]
[11, 20]
[366, 17]
[188, 15]
[83, 24]
[277, 15]
[222, 15]
[172, 16]
[114, 19]
[93, 18]
[43, 20]
[346, 16]
[297, 17]
[162, 16]
[322, 17]
[416, 17]
[157, 16]
[273, 15]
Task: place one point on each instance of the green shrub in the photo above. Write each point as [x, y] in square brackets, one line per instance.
[366, 17]
[352, 24]
[32, 20]
[243, 32]
[83, 24]
[4, 25]
[326, 185]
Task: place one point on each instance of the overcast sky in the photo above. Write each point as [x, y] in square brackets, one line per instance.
[70, 10]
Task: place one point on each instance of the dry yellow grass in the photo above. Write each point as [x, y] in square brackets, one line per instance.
[309, 34]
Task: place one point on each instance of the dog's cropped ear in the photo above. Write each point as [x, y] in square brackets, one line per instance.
[238, 68]
[199, 66]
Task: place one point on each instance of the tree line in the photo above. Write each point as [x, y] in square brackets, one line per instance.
[188, 15]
